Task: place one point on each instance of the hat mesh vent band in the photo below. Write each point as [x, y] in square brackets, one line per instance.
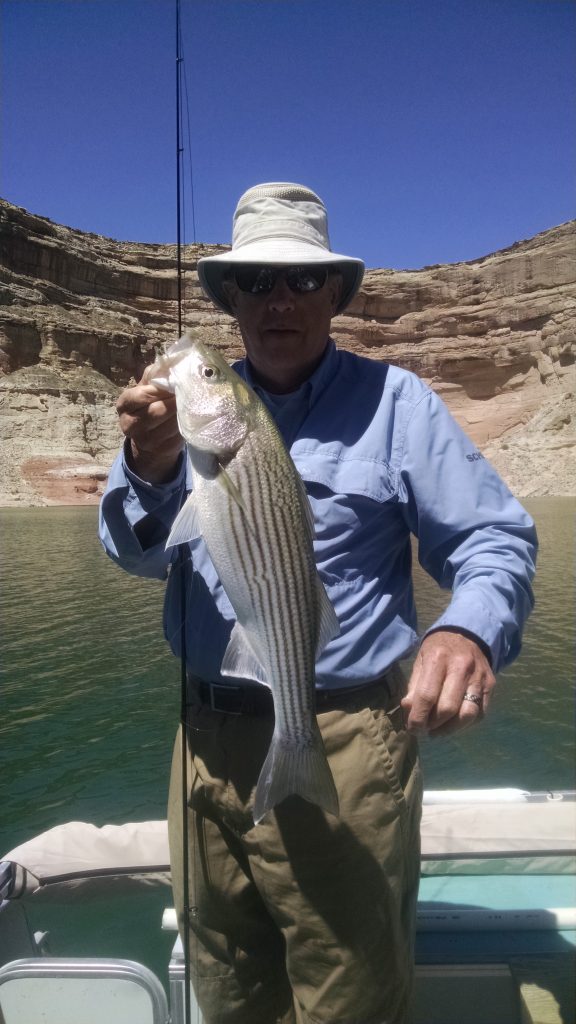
[293, 193]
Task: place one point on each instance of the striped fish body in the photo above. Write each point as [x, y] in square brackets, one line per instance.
[250, 506]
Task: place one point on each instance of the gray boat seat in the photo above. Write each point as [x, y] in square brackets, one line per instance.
[59, 990]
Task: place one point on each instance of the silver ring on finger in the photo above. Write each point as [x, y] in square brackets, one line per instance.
[474, 698]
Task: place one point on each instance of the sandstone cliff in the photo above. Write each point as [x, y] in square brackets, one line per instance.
[81, 315]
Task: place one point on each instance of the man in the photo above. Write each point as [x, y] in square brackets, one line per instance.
[307, 917]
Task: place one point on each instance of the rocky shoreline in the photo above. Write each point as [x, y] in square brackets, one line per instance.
[81, 315]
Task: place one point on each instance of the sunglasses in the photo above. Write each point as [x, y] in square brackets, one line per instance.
[260, 280]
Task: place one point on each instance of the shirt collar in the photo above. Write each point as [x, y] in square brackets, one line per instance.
[315, 384]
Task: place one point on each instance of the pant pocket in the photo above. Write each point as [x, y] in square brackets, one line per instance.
[398, 754]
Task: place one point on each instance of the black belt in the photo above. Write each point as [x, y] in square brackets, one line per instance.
[256, 699]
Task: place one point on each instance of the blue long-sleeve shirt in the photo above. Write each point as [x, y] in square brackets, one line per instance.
[381, 458]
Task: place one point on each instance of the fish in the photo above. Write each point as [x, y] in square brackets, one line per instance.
[250, 506]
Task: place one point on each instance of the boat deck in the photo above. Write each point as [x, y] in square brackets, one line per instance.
[496, 930]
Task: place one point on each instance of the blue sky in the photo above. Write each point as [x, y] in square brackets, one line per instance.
[435, 130]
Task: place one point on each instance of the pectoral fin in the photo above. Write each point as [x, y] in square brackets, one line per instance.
[226, 481]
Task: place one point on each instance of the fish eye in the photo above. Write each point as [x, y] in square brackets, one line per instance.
[208, 372]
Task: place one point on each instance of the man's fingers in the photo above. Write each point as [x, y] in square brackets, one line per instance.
[423, 692]
[147, 415]
[450, 685]
[461, 678]
[141, 397]
[151, 370]
[458, 714]
[153, 417]
[469, 713]
[448, 714]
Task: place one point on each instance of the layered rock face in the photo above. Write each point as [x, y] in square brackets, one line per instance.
[81, 315]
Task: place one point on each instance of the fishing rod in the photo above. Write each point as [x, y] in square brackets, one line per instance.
[183, 558]
[179, 151]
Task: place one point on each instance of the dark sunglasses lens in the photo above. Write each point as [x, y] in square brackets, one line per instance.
[256, 280]
[261, 280]
[306, 279]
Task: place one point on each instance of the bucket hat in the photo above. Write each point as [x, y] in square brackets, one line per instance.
[282, 224]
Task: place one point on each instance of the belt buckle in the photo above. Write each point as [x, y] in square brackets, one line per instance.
[214, 697]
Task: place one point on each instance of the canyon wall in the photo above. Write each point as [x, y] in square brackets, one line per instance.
[81, 315]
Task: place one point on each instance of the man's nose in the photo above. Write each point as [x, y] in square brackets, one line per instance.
[281, 298]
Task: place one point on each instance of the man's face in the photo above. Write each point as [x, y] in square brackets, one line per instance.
[284, 331]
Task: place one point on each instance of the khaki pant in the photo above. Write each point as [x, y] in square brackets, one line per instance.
[305, 917]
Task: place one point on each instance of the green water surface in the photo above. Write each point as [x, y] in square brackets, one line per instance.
[90, 699]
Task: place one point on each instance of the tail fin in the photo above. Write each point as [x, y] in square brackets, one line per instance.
[290, 769]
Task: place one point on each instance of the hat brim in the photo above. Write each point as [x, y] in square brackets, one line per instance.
[212, 270]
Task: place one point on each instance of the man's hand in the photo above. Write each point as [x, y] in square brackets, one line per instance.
[448, 666]
[147, 415]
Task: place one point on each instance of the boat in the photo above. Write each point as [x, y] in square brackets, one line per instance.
[496, 922]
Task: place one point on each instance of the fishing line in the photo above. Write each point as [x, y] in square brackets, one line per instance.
[189, 138]
[183, 555]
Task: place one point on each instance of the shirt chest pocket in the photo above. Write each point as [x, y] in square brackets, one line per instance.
[355, 506]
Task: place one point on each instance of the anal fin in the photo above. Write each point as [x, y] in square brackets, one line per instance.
[329, 625]
[239, 658]
[185, 527]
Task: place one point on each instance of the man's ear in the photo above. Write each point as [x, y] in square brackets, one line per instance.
[335, 282]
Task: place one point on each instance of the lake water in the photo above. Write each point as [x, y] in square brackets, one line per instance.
[90, 692]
